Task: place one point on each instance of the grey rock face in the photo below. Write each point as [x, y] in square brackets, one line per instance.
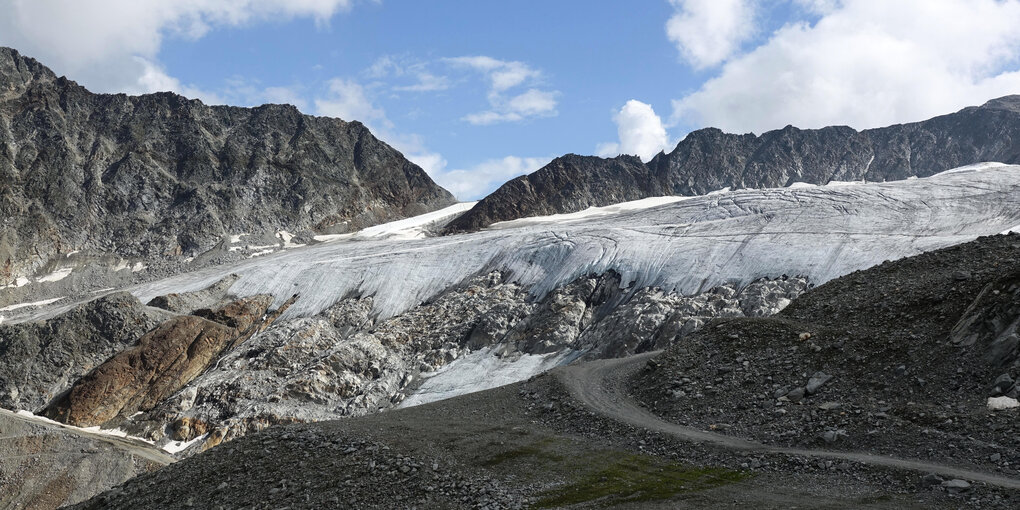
[43, 359]
[708, 160]
[567, 184]
[343, 362]
[159, 176]
[187, 302]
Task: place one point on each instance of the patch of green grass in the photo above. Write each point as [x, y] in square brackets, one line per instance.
[539, 450]
[635, 478]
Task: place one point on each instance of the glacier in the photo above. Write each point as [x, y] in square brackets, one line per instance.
[682, 244]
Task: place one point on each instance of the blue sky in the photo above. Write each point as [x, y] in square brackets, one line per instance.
[477, 92]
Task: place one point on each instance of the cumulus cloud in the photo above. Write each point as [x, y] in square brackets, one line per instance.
[866, 63]
[641, 132]
[507, 106]
[707, 32]
[112, 45]
[348, 100]
[476, 181]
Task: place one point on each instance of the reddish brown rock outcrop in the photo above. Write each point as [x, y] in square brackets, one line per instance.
[164, 361]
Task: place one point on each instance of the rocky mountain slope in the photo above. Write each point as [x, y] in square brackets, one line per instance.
[895, 415]
[382, 321]
[915, 355]
[126, 181]
[708, 160]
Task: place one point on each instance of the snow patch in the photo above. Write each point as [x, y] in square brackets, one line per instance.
[138, 267]
[1000, 403]
[976, 167]
[20, 281]
[91, 430]
[56, 276]
[179, 446]
[482, 370]
[287, 237]
[405, 229]
[19, 306]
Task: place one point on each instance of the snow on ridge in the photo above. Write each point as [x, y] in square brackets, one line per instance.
[591, 212]
[407, 228]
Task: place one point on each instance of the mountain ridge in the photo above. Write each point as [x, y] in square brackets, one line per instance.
[709, 159]
[159, 176]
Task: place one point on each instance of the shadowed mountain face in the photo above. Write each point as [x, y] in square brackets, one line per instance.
[708, 160]
[161, 176]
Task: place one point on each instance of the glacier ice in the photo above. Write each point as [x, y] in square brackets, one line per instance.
[687, 244]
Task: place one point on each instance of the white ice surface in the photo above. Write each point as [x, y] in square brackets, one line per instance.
[589, 213]
[689, 245]
[481, 370]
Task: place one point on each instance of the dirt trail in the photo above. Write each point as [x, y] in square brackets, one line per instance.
[601, 385]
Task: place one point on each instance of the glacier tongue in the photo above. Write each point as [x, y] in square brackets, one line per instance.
[689, 245]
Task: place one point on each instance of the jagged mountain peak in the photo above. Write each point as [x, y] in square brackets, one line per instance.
[1010, 103]
[163, 178]
[18, 71]
[710, 159]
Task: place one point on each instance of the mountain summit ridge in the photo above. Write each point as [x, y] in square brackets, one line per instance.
[163, 178]
[709, 159]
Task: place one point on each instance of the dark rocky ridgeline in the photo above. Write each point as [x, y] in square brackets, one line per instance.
[569, 183]
[708, 160]
[160, 176]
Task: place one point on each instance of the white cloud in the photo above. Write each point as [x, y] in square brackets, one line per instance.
[532, 103]
[111, 45]
[470, 183]
[390, 66]
[866, 63]
[474, 182]
[707, 32]
[348, 100]
[426, 82]
[504, 105]
[640, 130]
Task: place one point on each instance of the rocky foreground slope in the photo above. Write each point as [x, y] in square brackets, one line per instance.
[381, 322]
[899, 419]
[708, 160]
[121, 182]
[913, 354]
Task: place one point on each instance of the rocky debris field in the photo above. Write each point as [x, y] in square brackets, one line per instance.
[344, 362]
[46, 466]
[902, 358]
[527, 445]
